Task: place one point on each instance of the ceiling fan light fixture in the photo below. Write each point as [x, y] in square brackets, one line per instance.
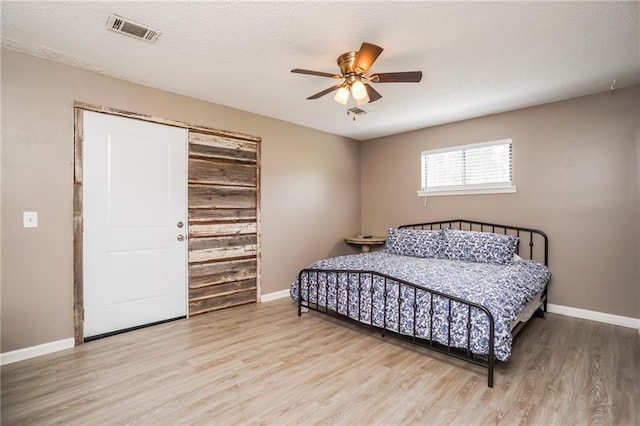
[358, 91]
[357, 84]
[342, 96]
[363, 100]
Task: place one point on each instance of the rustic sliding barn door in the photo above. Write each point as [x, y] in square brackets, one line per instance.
[224, 188]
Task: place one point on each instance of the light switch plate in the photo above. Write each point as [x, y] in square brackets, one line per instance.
[30, 219]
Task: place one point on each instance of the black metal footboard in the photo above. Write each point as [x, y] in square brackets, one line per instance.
[366, 285]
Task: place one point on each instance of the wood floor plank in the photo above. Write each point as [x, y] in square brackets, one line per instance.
[261, 364]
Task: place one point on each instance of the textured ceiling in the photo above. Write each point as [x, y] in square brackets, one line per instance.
[477, 58]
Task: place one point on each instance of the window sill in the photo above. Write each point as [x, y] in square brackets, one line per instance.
[467, 191]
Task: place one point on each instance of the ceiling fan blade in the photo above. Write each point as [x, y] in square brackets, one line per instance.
[373, 93]
[318, 73]
[397, 77]
[325, 91]
[366, 56]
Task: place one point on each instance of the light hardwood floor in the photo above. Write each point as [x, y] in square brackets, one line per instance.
[261, 364]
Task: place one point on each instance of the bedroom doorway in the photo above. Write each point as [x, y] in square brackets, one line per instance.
[134, 213]
[216, 229]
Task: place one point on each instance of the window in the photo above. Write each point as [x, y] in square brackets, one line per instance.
[483, 168]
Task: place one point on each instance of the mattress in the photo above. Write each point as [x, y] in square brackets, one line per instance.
[528, 310]
[505, 290]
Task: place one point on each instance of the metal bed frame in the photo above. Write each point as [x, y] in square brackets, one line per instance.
[487, 361]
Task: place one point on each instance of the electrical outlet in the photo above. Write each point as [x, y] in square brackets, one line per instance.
[30, 219]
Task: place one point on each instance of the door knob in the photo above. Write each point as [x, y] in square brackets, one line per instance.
[180, 224]
[180, 237]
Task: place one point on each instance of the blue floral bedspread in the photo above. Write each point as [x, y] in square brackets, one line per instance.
[503, 289]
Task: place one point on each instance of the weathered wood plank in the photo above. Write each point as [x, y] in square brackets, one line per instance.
[204, 274]
[216, 141]
[216, 248]
[220, 215]
[207, 292]
[78, 137]
[224, 173]
[207, 145]
[212, 196]
[259, 215]
[222, 241]
[222, 253]
[78, 258]
[215, 229]
[215, 303]
[222, 153]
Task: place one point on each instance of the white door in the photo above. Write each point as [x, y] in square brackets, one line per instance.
[134, 194]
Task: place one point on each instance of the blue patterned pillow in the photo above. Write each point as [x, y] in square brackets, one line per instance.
[473, 246]
[413, 242]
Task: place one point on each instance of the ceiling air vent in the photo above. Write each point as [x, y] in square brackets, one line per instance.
[357, 111]
[131, 28]
[352, 112]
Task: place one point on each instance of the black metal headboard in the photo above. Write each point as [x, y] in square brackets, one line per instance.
[529, 236]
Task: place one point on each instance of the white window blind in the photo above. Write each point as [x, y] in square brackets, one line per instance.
[471, 169]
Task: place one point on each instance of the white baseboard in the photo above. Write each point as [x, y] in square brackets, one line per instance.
[51, 347]
[554, 309]
[34, 351]
[594, 316]
[275, 295]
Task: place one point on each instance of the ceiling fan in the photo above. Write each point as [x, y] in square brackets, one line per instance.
[353, 69]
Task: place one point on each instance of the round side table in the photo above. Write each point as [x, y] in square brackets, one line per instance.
[365, 243]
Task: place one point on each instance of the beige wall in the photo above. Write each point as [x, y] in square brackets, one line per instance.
[311, 192]
[576, 172]
[310, 187]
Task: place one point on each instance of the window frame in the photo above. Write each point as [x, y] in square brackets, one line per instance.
[467, 189]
